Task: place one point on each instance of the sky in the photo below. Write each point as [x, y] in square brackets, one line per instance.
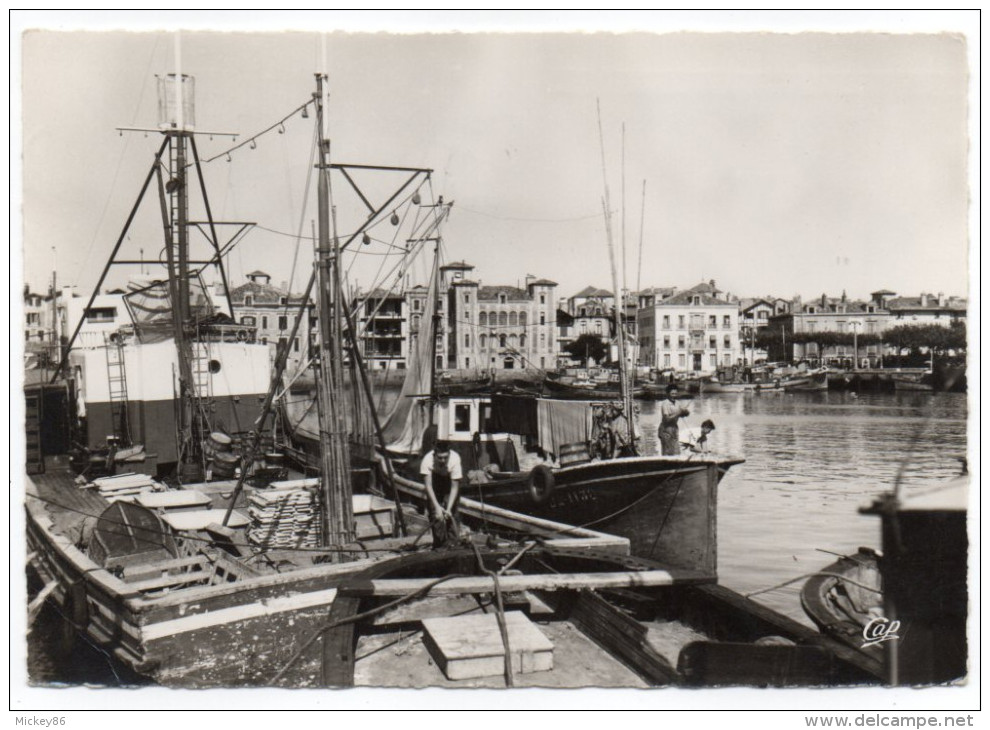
[783, 164]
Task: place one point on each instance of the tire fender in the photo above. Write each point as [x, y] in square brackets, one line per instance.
[541, 483]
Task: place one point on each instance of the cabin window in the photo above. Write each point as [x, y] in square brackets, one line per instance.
[485, 417]
[214, 366]
[462, 417]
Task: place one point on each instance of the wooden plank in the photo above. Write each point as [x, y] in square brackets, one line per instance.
[539, 581]
[467, 647]
[200, 519]
[34, 607]
[173, 499]
[168, 581]
[622, 637]
[139, 572]
[730, 663]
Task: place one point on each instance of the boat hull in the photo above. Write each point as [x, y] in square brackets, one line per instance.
[664, 506]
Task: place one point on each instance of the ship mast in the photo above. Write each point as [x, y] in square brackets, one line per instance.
[334, 447]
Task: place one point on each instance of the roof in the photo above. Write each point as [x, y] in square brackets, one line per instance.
[705, 290]
[259, 272]
[261, 294]
[492, 293]
[590, 291]
[380, 293]
[542, 282]
[750, 302]
[883, 292]
[464, 282]
[457, 265]
[949, 304]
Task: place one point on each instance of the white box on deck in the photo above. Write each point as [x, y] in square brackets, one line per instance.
[467, 647]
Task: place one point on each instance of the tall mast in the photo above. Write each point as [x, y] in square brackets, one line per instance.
[334, 449]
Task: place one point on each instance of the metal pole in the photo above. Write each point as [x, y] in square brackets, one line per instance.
[213, 229]
[106, 269]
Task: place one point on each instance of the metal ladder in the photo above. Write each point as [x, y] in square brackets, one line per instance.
[117, 382]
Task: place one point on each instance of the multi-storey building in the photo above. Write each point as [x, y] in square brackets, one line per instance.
[694, 331]
[383, 329]
[925, 309]
[273, 311]
[34, 306]
[500, 327]
[826, 314]
[755, 315]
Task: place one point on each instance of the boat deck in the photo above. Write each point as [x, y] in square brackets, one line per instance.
[67, 503]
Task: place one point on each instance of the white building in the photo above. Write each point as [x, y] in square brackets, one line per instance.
[694, 331]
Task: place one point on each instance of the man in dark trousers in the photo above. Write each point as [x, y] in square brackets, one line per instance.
[670, 414]
[441, 470]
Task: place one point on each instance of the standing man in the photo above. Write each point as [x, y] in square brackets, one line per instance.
[670, 414]
[441, 470]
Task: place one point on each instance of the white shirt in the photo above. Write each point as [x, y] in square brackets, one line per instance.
[690, 436]
[453, 465]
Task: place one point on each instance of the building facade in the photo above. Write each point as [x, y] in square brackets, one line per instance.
[273, 311]
[501, 327]
[695, 331]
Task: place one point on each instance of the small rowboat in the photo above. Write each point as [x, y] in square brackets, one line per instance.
[844, 598]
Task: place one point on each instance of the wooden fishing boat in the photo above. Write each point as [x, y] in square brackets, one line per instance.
[541, 616]
[844, 597]
[811, 382]
[186, 602]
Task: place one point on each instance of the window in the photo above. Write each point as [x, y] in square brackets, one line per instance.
[680, 342]
[681, 361]
[726, 321]
[264, 340]
[666, 361]
[503, 319]
[467, 362]
[713, 360]
[467, 298]
[467, 339]
[264, 322]
[101, 314]
[696, 300]
[598, 326]
[483, 340]
[666, 342]
[501, 340]
[812, 326]
[416, 305]
[711, 342]
[501, 298]
[282, 301]
[666, 321]
[727, 359]
[483, 319]
[543, 318]
[841, 325]
[248, 301]
[295, 345]
[543, 298]
[762, 315]
[283, 322]
[712, 321]
[513, 319]
[462, 417]
[522, 319]
[522, 340]
[543, 340]
[680, 321]
[727, 341]
[248, 321]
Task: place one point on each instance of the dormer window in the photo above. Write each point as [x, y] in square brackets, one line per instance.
[248, 301]
[696, 300]
[282, 301]
[501, 298]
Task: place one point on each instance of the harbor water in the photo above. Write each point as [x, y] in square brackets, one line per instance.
[812, 460]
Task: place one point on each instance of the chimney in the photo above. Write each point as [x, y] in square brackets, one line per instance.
[824, 301]
[924, 299]
[529, 278]
[941, 299]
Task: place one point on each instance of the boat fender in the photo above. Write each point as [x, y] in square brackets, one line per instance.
[541, 483]
[242, 335]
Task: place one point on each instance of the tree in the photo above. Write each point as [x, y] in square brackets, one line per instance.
[587, 346]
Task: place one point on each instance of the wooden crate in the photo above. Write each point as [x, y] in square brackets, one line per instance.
[467, 647]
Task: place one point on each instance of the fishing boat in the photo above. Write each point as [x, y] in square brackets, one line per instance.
[904, 610]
